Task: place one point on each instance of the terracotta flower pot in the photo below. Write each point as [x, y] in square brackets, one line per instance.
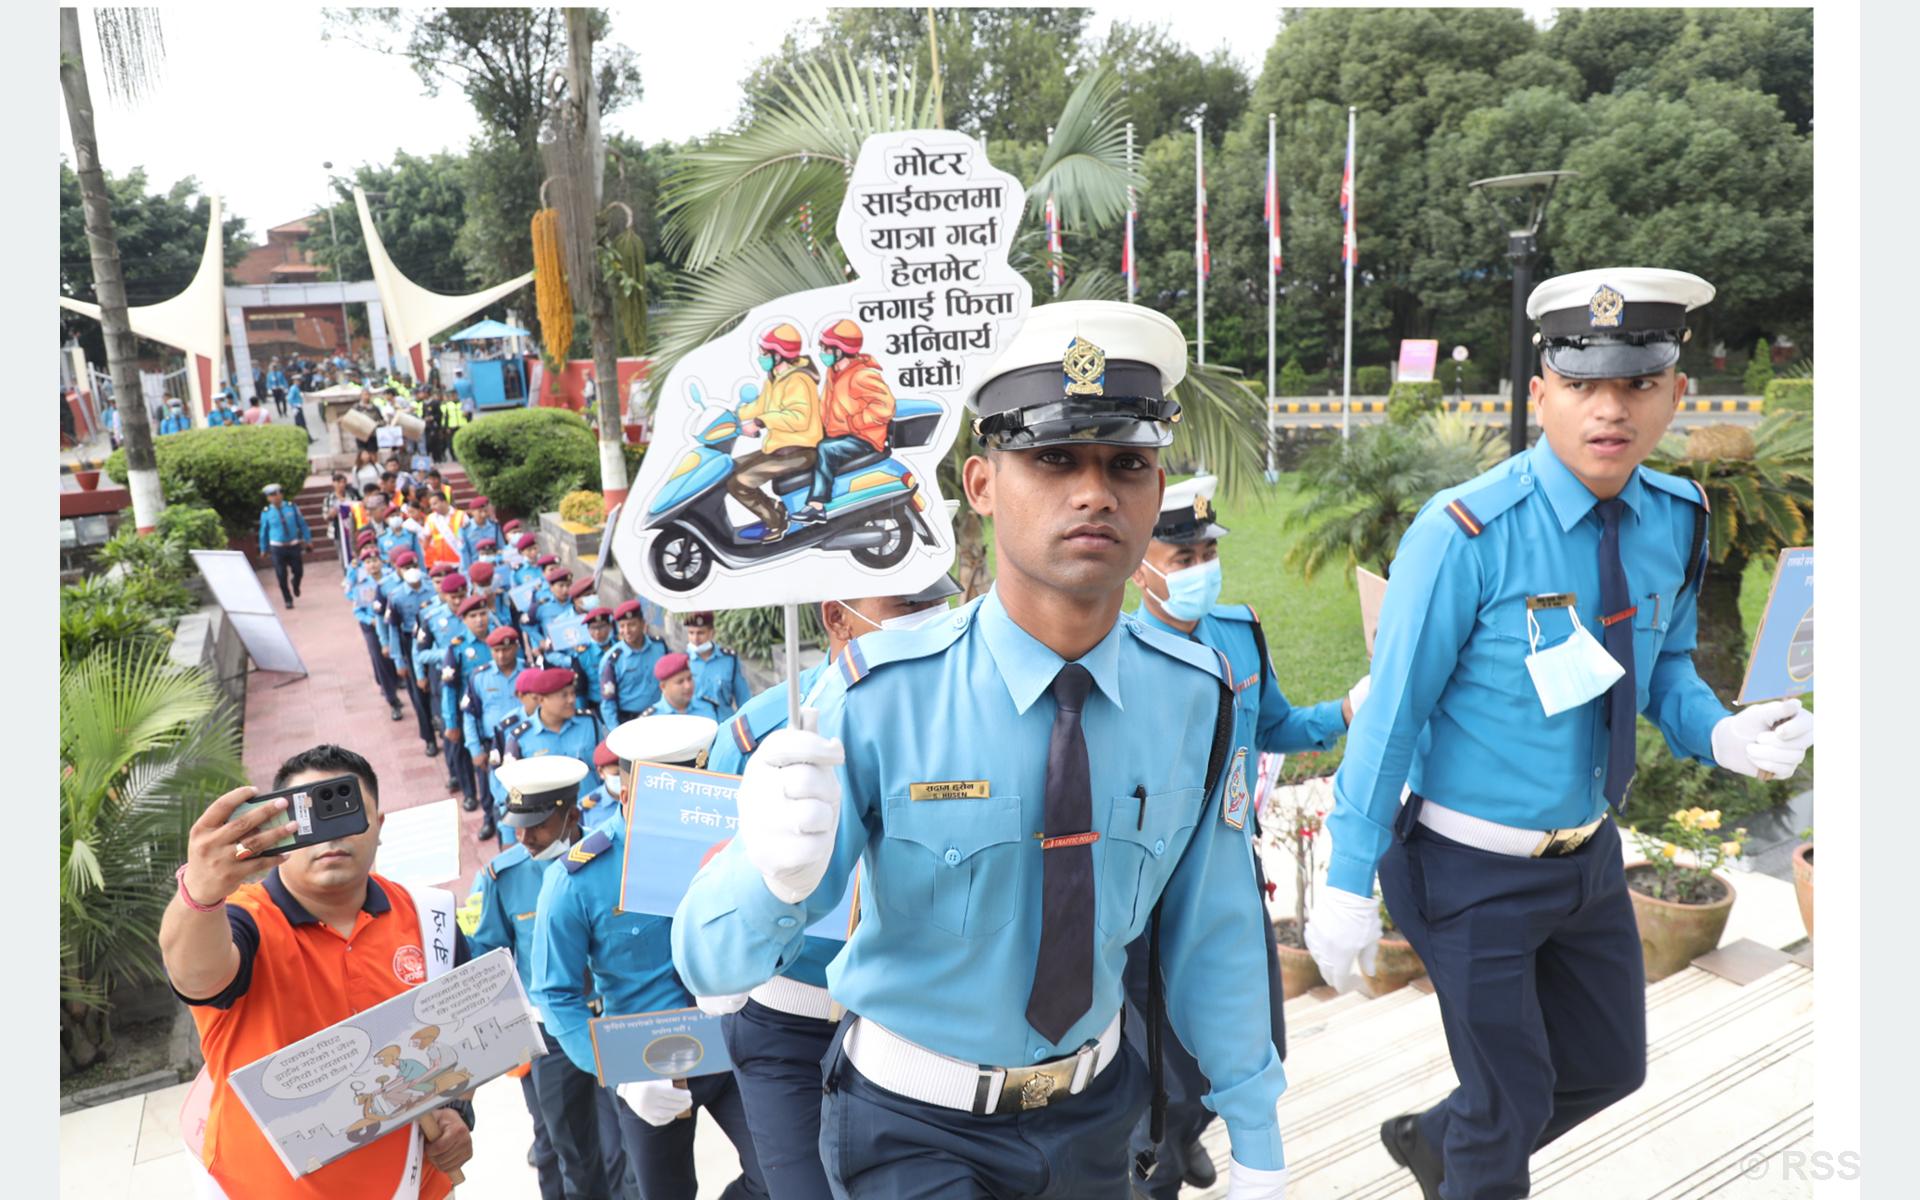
[1395, 966]
[1803, 883]
[1299, 974]
[88, 480]
[633, 431]
[1671, 934]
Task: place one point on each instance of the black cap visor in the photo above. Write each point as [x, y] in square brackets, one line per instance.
[1105, 421]
[1189, 533]
[1609, 359]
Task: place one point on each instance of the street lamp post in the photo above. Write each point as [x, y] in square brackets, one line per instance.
[1523, 199]
[334, 232]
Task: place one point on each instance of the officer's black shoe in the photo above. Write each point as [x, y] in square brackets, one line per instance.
[1407, 1147]
[1200, 1172]
[470, 803]
[453, 785]
[432, 750]
[488, 830]
[289, 603]
[396, 712]
[530, 1156]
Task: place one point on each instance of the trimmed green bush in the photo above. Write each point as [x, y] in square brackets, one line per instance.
[1789, 395]
[1409, 401]
[192, 526]
[1472, 375]
[1759, 369]
[525, 460]
[583, 508]
[1371, 381]
[1293, 380]
[225, 468]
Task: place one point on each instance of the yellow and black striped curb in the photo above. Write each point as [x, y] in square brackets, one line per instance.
[85, 464]
[1288, 407]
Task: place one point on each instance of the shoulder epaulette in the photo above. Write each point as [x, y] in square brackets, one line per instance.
[1236, 612]
[742, 733]
[864, 656]
[589, 848]
[511, 857]
[1676, 485]
[1186, 650]
[1479, 501]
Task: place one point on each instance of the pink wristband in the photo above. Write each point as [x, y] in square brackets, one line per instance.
[180, 877]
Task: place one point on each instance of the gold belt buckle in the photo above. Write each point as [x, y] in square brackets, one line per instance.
[1565, 841]
[1035, 1087]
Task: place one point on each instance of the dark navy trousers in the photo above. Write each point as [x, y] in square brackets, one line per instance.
[382, 669]
[776, 1064]
[662, 1155]
[1536, 962]
[880, 1146]
[577, 1122]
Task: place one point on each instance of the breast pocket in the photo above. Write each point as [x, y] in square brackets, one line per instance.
[1653, 616]
[1140, 849]
[950, 863]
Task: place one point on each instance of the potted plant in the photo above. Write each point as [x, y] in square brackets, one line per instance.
[88, 479]
[1803, 878]
[1292, 818]
[1680, 902]
[1396, 964]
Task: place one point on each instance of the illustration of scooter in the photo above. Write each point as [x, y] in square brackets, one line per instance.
[874, 513]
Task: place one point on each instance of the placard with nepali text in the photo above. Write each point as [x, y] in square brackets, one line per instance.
[1781, 664]
[680, 1043]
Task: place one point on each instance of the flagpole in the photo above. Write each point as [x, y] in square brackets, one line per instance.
[1053, 232]
[1349, 250]
[1273, 228]
[1132, 269]
[1199, 234]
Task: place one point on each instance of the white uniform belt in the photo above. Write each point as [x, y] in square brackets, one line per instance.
[1483, 834]
[793, 997]
[905, 1069]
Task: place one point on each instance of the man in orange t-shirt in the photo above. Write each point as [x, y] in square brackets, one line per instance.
[855, 416]
[265, 964]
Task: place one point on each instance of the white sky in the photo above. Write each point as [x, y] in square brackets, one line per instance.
[252, 101]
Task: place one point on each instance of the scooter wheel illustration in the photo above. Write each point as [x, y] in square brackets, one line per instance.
[681, 560]
[893, 547]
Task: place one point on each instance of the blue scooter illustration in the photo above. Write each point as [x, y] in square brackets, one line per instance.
[875, 511]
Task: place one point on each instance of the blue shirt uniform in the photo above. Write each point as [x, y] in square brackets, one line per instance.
[698, 706]
[404, 609]
[584, 661]
[719, 679]
[368, 612]
[487, 698]
[393, 541]
[579, 930]
[951, 888]
[728, 755]
[222, 416]
[545, 611]
[282, 524]
[466, 655]
[470, 536]
[390, 584]
[1451, 695]
[600, 807]
[175, 422]
[576, 739]
[630, 670]
[509, 892]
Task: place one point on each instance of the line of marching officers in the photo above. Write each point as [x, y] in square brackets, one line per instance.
[1049, 801]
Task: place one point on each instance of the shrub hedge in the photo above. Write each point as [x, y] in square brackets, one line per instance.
[1408, 401]
[225, 468]
[1371, 381]
[1789, 395]
[527, 459]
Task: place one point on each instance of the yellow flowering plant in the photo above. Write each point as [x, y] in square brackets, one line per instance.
[1685, 853]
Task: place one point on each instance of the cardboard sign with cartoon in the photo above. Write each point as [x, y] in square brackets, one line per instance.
[794, 458]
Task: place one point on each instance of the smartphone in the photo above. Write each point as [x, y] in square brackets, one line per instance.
[316, 812]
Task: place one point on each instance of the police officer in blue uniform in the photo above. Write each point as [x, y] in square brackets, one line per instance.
[1029, 786]
[576, 1130]
[718, 677]
[176, 420]
[627, 685]
[1179, 582]
[404, 606]
[556, 726]
[585, 659]
[369, 611]
[480, 525]
[675, 676]
[1534, 613]
[602, 804]
[509, 727]
[580, 932]
[285, 536]
[465, 656]
[487, 698]
[778, 1034]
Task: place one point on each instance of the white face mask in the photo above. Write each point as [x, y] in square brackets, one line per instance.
[704, 649]
[590, 601]
[912, 620]
[554, 850]
[1569, 674]
[614, 784]
[393, 522]
[411, 576]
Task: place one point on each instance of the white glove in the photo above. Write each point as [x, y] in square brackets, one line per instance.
[608, 690]
[1357, 695]
[1343, 929]
[789, 804]
[1249, 1183]
[446, 673]
[1748, 743]
[493, 758]
[655, 1101]
[720, 1006]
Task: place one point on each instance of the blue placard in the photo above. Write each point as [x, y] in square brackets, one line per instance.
[522, 596]
[568, 631]
[366, 593]
[680, 1043]
[676, 817]
[1782, 660]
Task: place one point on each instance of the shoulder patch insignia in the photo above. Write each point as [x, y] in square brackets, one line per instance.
[1234, 801]
[742, 735]
[588, 849]
[507, 859]
[1464, 518]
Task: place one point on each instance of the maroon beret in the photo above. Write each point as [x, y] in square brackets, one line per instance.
[603, 757]
[527, 542]
[603, 613]
[477, 503]
[366, 536]
[510, 526]
[630, 609]
[545, 560]
[486, 543]
[472, 604]
[481, 573]
[404, 559]
[440, 568]
[453, 585]
[542, 682]
[669, 666]
[502, 635]
[555, 574]
[698, 620]
[580, 588]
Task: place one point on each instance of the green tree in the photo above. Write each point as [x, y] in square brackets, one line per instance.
[160, 233]
[1163, 82]
[418, 205]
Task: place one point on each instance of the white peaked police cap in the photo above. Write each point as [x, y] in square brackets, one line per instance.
[536, 787]
[675, 739]
[1083, 371]
[1614, 322]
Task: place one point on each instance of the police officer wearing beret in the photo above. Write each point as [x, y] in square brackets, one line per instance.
[1179, 582]
[576, 1132]
[580, 933]
[1534, 613]
[718, 677]
[627, 685]
[488, 698]
[778, 1034]
[674, 674]
[404, 607]
[1030, 785]
[368, 610]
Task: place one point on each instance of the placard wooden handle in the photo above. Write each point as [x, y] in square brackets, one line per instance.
[687, 1115]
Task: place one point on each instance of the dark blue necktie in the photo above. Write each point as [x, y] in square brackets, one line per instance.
[1063, 974]
[1616, 609]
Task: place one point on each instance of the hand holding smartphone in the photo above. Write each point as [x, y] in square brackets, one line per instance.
[317, 812]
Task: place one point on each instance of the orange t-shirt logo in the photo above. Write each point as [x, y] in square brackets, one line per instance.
[409, 965]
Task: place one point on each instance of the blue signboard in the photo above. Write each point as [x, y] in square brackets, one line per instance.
[1782, 661]
[522, 596]
[677, 817]
[677, 1044]
[568, 631]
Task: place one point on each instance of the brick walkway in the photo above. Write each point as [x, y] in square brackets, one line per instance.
[338, 702]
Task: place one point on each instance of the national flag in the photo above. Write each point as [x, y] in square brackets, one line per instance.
[1273, 214]
[1349, 244]
[1056, 266]
[1201, 247]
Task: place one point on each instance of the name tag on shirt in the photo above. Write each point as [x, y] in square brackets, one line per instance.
[952, 789]
[1550, 600]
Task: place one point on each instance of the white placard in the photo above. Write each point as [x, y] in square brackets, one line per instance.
[236, 589]
[420, 845]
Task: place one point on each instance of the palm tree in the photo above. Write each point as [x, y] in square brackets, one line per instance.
[131, 46]
[143, 746]
[730, 211]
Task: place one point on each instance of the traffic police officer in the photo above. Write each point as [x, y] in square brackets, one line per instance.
[580, 931]
[404, 606]
[718, 677]
[1179, 582]
[603, 803]
[677, 696]
[627, 685]
[585, 658]
[488, 697]
[396, 536]
[778, 1035]
[285, 536]
[480, 525]
[1533, 613]
[1029, 785]
[465, 655]
[576, 1131]
[369, 573]
[176, 420]
[556, 727]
